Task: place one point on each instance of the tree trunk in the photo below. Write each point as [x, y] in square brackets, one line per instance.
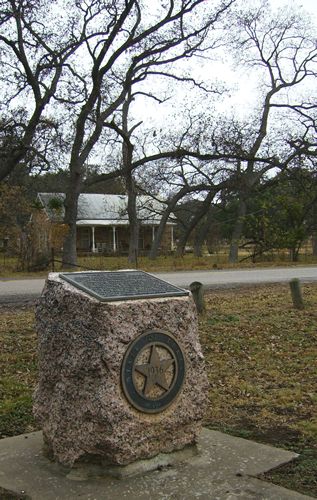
[314, 243]
[69, 248]
[133, 224]
[200, 237]
[160, 230]
[193, 223]
[198, 247]
[159, 234]
[71, 208]
[237, 232]
[294, 253]
[127, 155]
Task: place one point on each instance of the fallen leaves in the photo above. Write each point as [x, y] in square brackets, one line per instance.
[261, 358]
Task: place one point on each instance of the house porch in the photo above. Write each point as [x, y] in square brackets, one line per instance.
[114, 239]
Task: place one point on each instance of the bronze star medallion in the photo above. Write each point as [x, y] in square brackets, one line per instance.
[153, 371]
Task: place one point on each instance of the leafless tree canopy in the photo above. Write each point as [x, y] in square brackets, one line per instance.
[73, 72]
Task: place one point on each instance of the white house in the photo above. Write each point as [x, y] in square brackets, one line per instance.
[102, 222]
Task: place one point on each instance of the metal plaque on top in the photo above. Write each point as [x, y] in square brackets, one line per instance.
[108, 286]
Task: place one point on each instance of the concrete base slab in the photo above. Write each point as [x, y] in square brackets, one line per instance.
[84, 472]
[223, 470]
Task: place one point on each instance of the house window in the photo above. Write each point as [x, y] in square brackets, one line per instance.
[84, 238]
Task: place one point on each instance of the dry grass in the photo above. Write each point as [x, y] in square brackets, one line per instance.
[8, 266]
[261, 357]
[18, 370]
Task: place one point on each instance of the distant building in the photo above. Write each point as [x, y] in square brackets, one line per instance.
[102, 223]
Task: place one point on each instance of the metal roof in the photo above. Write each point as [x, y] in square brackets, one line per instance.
[103, 209]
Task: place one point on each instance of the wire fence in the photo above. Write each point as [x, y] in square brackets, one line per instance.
[65, 264]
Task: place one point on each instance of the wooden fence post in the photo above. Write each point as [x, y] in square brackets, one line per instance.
[197, 290]
[296, 292]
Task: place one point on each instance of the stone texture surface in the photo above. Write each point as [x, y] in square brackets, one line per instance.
[79, 400]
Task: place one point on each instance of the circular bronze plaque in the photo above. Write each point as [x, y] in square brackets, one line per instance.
[153, 371]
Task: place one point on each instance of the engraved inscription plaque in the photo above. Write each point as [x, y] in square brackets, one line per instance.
[122, 285]
[153, 371]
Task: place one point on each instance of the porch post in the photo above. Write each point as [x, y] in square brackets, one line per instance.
[114, 243]
[93, 246]
[172, 238]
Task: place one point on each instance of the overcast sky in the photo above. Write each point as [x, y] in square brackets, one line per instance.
[243, 94]
[246, 86]
[309, 5]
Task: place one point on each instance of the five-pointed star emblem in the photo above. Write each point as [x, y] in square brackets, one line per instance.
[155, 371]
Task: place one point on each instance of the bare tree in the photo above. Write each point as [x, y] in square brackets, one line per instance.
[34, 55]
[127, 173]
[207, 166]
[133, 45]
[282, 46]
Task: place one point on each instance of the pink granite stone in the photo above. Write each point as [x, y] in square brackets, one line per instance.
[79, 400]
